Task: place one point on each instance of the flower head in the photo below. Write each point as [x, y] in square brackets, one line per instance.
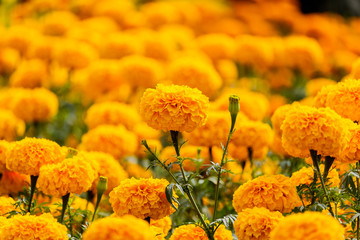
[13, 182]
[10, 125]
[306, 174]
[142, 198]
[164, 224]
[315, 85]
[4, 146]
[191, 231]
[216, 46]
[30, 74]
[276, 193]
[7, 204]
[177, 108]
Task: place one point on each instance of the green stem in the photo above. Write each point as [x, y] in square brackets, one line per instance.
[65, 200]
[315, 159]
[357, 228]
[33, 180]
[99, 196]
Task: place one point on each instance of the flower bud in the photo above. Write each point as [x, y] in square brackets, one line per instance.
[234, 108]
[102, 185]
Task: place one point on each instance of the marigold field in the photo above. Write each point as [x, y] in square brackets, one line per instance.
[178, 120]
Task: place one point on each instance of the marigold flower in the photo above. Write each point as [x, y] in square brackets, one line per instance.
[191, 231]
[118, 45]
[196, 74]
[276, 193]
[73, 175]
[112, 228]
[213, 133]
[176, 108]
[140, 71]
[10, 125]
[256, 223]
[29, 154]
[7, 204]
[308, 225]
[321, 96]
[158, 46]
[306, 128]
[112, 113]
[161, 13]
[137, 171]
[115, 140]
[36, 227]
[4, 146]
[315, 85]
[142, 198]
[164, 224]
[306, 174]
[13, 182]
[30, 74]
[350, 151]
[279, 116]
[52, 26]
[241, 153]
[216, 46]
[9, 59]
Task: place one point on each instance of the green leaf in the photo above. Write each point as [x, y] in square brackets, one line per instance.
[169, 194]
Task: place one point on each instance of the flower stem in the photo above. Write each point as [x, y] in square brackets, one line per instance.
[328, 162]
[65, 200]
[33, 180]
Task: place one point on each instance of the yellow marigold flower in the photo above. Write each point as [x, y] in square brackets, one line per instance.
[276, 193]
[115, 140]
[196, 74]
[158, 46]
[240, 153]
[251, 134]
[7, 204]
[10, 125]
[9, 59]
[118, 45]
[108, 167]
[13, 182]
[256, 223]
[188, 151]
[277, 148]
[213, 133]
[4, 146]
[306, 174]
[321, 96]
[29, 154]
[34, 105]
[37, 227]
[73, 175]
[172, 107]
[112, 228]
[43, 48]
[140, 71]
[279, 116]
[216, 46]
[164, 224]
[227, 70]
[137, 171]
[279, 78]
[308, 225]
[350, 151]
[157, 233]
[112, 113]
[306, 128]
[30, 74]
[355, 69]
[161, 13]
[315, 85]
[20, 37]
[276, 101]
[52, 26]
[191, 231]
[142, 198]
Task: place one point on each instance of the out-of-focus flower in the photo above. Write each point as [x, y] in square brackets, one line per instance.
[137, 171]
[227, 70]
[142, 198]
[30, 74]
[20, 38]
[350, 151]
[115, 140]
[158, 46]
[7, 204]
[13, 182]
[241, 153]
[119, 45]
[308, 225]
[9, 59]
[4, 146]
[306, 174]
[191, 231]
[172, 107]
[276, 193]
[111, 228]
[279, 116]
[164, 224]
[256, 223]
[279, 78]
[315, 85]
[29, 154]
[216, 46]
[10, 125]
[52, 26]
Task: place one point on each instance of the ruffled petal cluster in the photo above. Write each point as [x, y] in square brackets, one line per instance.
[142, 198]
[4, 146]
[306, 175]
[172, 107]
[7, 204]
[13, 182]
[350, 152]
[276, 193]
[191, 231]
[10, 125]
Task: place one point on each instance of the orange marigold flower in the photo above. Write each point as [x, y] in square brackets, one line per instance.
[256, 223]
[142, 198]
[279, 116]
[172, 107]
[241, 153]
[137, 171]
[315, 85]
[216, 46]
[4, 146]
[7, 204]
[306, 174]
[118, 45]
[115, 140]
[13, 182]
[213, 133]
[164, 224]
[112, 113]
[191, 231]
[10, 125]
[52, 26]
[73, 175]
[196, 74]
[350, 151]
[35, 227]
[30, 74]
[321, 96]
[29, 154]
[276, 193]
[308, 225]
[113, 228]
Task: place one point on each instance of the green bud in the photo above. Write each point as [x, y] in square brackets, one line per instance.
[102, 185]
[234, 104]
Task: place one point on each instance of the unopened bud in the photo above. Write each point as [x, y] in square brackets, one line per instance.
[102, 185]
[234, 108]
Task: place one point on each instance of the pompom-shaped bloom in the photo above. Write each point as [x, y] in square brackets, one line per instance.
[73, 175]
[52, 26]
[172, 107]
[7, 204]
[196, 74]
[306, 175]
[241, 153]
[141, 71]
[350, 152]
[308, 225]
[142, 198]
[251, 134]
[13, 182]
[321, 96]
[315, 85]
[256, 223]
[115, 140]
[118, 45]
[10, 125]
[114, 228]
[306, 128]
[276, 193]
[213, 133]
[34, 105]
[193, 232]
[4, 146]
[164, 224]
[216, 46]
[43, 227]
[30, 74]
[279, 115]
[29, 154]
[112, 113]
